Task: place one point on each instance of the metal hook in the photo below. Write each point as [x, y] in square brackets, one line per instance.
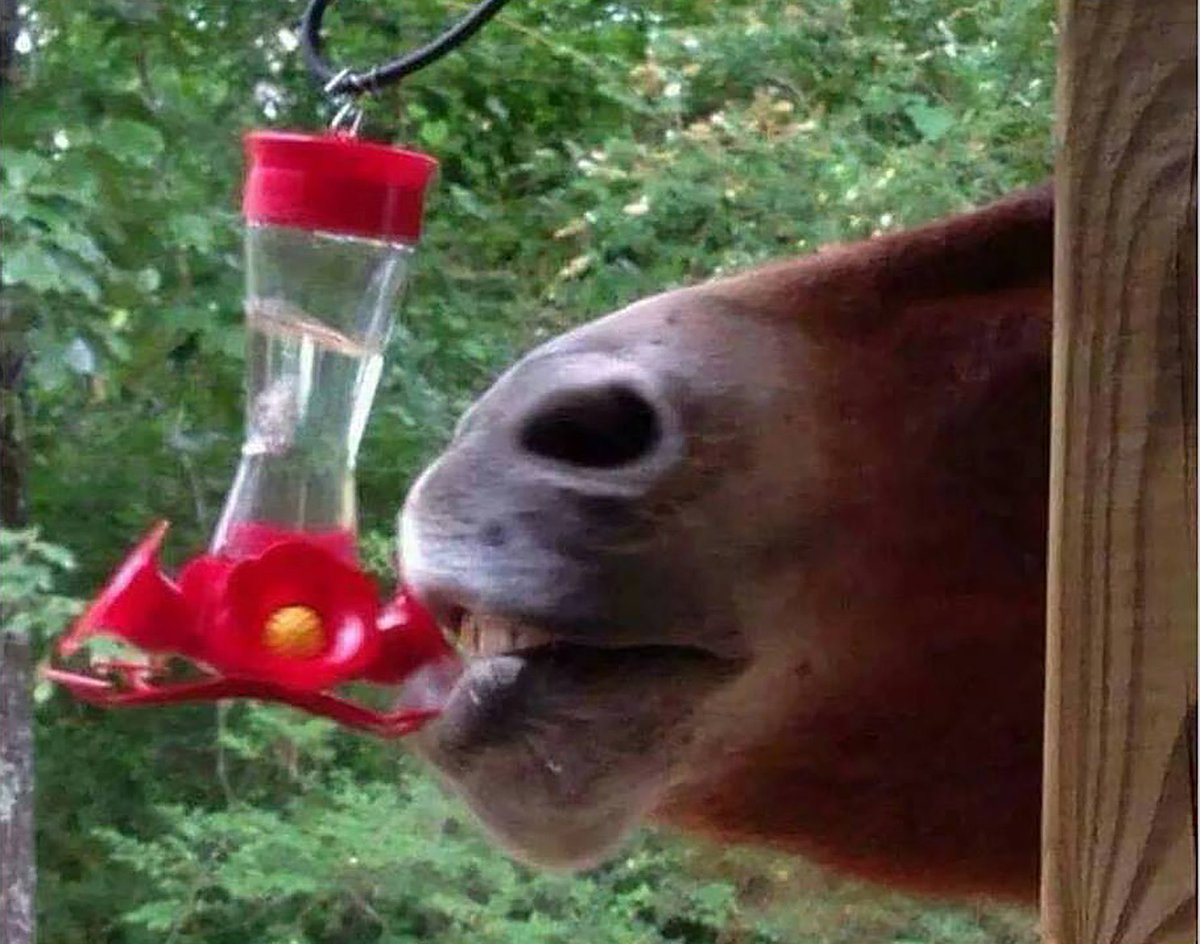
[345, 85]
[388, 72]
[331, 87]
[348, 118]
[368, 82]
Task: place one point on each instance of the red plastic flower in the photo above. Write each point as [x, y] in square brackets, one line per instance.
[295, 614]
[287, 618]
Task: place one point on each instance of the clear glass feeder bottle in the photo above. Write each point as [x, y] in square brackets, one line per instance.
[331, 227]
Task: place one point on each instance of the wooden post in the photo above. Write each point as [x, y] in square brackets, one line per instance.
[1119, 830]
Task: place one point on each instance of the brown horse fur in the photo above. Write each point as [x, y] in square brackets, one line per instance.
[964, 306]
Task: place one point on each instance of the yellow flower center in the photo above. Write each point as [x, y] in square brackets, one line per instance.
[294, 632]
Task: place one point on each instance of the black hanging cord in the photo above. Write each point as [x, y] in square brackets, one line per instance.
[350, 82]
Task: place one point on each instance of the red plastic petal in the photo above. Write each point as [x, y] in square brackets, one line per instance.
[295, 573]
[202, 582]
[140, 605]
[409, 639]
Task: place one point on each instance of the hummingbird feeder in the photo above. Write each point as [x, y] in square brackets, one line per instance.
[278, 609]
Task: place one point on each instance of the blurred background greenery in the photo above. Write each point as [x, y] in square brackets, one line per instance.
[591, 153]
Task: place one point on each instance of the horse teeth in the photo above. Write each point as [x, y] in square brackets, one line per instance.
[483, 636]
[452, 634]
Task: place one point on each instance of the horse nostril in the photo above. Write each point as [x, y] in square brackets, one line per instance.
[597, 428]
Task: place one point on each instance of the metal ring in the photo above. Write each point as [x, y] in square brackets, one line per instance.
[347, 81]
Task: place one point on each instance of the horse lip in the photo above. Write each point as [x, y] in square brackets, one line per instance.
[495, 696]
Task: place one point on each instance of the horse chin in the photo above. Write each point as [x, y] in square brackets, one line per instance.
[560, 749]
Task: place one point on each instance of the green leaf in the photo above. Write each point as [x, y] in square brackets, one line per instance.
[30, 265]
[931, 121]
[434, 133]
[55, 555]
[14, 207]
[72, 179]
[192, 230]
[157, 916]
[131, 141]
[469, 203]
[75, 278]
[21, 167]
[78, 243]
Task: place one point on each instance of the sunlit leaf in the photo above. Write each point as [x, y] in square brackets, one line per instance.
[30, 265]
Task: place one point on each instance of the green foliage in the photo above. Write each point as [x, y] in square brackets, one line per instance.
[396, 862]
[590, 153]
[32, 567]
[388, 862]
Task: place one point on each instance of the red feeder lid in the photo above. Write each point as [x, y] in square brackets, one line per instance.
[336, 184]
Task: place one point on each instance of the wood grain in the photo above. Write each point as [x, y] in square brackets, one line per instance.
[1119, 853]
